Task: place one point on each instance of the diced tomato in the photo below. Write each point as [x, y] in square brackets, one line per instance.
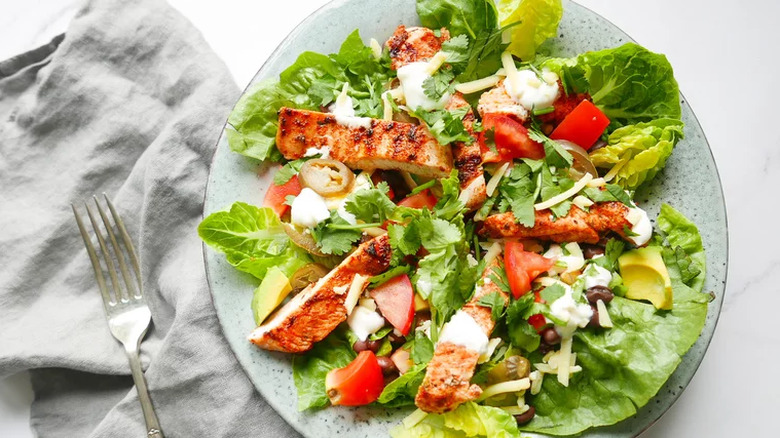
[378, 177]
[420, 200]
[275, 196]
[537, 321]
[583, 126]
[395, 300]
[511, 138]
[538, 297]
[358, 383]
[522, 267]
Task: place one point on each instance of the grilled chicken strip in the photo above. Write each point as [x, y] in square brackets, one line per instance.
[311, 315]
[380, 144]
[412, 44]
[415, 44]
[577, 226]
[498, 101]
[447, 381]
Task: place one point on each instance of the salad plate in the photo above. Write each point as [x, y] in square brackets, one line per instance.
[689, 182]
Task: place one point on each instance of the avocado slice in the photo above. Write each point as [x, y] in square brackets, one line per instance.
[420, 303]
[272, 291]
[645, 276]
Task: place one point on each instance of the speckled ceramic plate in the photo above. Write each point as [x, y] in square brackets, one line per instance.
[689, 182]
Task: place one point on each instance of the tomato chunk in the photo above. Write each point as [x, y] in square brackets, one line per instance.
[522, 267]
[583, 126]
[420, 200]
[510, 137]
[275, 196]
[537, 321]
[359, 383]
[395, 300]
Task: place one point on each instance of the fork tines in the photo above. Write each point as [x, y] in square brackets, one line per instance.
[132, 287]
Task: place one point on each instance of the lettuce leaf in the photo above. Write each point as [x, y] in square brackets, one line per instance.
[403, 390]
[629, 83]
[538, 21]
[468, 420]
[682, 233]
[310, 369]
[460, 17]
[646, 146]
[312, 81]
[253, 240]
[629, 363]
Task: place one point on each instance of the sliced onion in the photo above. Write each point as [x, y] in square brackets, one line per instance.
[582, 162]
[326, 177]
[305, 241]
[307, 275]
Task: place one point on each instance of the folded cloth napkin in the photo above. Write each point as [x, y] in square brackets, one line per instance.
[130, 102]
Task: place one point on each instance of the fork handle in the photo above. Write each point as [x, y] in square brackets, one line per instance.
[153, 429]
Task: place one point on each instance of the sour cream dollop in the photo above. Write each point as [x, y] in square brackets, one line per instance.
[527, 89]
[595, 275]
[463, 330]
[641, 226]
[308, 209]
[412, 76]
[570, 311]
[364, 322]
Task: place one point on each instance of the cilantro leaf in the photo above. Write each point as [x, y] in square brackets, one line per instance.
[552, 292]
[457, 51]
[555, 154]
[517, 191]
[391, 273]
[404, 240]
[440, 84]
[521, 333]
[289, 170]
[498, 276]
[422, 348]
[335, 240]
[610, 193]
[495, 302]
[371, 205]
[446, 126]
[449, 205]
[612, 251]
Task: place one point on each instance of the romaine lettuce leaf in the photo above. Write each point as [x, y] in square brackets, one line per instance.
[460, 17]
[468, 420]
[625, 366]
[253, 240]
[645, 146]
[403, 390]
[682, 233]
[629, 83]
[313, 81]
[538, 21]
[310, 369]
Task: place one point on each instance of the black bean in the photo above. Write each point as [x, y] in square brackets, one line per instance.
[526, 416]
[550, 336]
[387, 365]
[374, 345]
[590, 251]
[359, 346]
[602, 293]
[594, 320]
[396, 339]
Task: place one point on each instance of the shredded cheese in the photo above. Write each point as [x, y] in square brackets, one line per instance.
[492, 344]
[564, 361]
[492, 253]
[581, 202]
[477, 85]
[496, 178]
[374, 231]
[537, 378]
[355, 289]
[557, 199]
[340, 290]
[511, 70]
[501, 72]
[376, 48]
[368, 303]
[505, 387]
[604, 319]
[397, 93]
[615, 169]
[437, 61]
[596, 182]
[387, 109]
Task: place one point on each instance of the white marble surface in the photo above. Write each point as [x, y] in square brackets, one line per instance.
[725, 58]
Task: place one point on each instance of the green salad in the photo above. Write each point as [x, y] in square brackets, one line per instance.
[451, 228]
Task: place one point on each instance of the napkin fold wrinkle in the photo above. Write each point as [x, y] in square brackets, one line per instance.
[130, 102]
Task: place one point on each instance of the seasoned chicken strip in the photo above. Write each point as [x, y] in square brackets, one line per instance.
[415, 44]
[379, 144]
[447, 381]
[412, 44]
[311, 315]
[577, 226]
[498, 101]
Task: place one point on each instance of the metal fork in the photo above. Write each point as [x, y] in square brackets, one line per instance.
[126, 310]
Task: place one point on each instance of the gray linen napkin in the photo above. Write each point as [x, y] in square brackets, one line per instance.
[130, 103]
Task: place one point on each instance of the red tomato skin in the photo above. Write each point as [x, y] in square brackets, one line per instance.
[537, 321]
[511, 138]
[275, 196]
[522, 267]
[395, 300]
[357, 384]
[583, 126]
[420, 200]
